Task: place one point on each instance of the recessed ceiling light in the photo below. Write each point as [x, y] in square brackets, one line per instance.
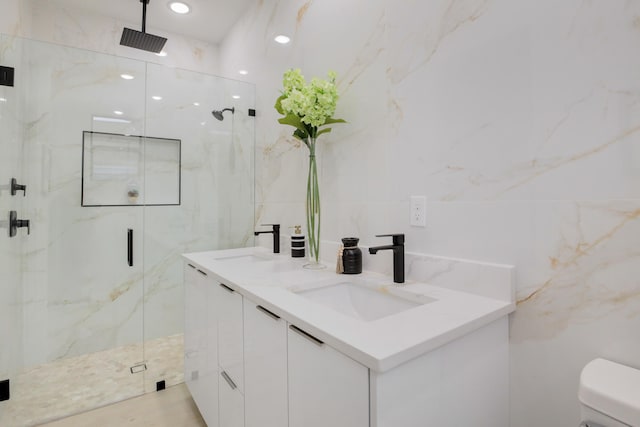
[156, 98]
[179, 7]
[3, 99]
[163, 53]
[282, 39]
[203, 123]
[118, 113]
[127, 76]
[197, 104]
[235, 96]
[109, 120]
[243, 72]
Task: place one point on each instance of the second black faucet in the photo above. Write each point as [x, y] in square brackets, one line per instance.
[276, 236]
[398, 255]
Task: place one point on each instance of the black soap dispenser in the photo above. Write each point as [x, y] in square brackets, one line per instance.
[297, 243]
[349, 257]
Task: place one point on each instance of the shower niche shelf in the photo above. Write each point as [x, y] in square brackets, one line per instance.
[128, 170]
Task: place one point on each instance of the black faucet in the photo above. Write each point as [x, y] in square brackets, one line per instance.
[398, 255]
[276, 236]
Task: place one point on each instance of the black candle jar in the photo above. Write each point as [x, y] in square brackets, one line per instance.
[351, 256]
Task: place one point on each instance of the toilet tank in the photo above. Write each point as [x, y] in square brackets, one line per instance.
[609, 394]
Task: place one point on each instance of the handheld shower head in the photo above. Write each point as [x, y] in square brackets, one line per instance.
[218, 113]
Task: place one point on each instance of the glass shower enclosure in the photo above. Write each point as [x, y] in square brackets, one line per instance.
[125, 168]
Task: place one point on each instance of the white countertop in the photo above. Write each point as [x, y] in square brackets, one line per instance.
[272, 280]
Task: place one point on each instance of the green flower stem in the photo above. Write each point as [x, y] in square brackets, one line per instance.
[313, 203]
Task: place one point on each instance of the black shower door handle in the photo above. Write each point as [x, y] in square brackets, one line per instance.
[130, 247]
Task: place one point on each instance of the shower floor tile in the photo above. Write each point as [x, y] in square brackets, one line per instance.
[82, 383]
[169, 408]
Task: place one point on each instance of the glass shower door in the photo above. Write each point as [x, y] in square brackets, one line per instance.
[216, 197]
[11, 135]
[126, 169]
[81, 287]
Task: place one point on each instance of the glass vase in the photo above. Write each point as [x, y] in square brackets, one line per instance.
[313, 209]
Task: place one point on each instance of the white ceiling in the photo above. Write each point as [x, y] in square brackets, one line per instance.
[209, 20]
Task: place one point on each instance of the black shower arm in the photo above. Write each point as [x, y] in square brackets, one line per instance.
[144, 14]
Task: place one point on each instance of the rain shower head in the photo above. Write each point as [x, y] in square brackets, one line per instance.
[141, 39]
[218, 114]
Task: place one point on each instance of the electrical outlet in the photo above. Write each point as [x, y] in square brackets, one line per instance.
[418, 211]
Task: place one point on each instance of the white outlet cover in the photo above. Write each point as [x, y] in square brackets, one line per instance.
[418, 211]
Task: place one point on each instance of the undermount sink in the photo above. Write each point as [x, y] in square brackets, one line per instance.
[360, 302]
[245, 258]
[256, 264]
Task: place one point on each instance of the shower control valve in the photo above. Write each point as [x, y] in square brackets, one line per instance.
[15, 223]
[15, 187]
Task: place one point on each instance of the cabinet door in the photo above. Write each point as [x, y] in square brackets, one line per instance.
[230, 339]
[231, 402]
[326, 388]
[200, 355]
[195, 332]
[265, 367]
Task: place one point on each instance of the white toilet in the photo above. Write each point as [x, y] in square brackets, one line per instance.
[609, 394]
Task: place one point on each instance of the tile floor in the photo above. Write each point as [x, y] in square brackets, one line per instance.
[172, 407]
[78, 384]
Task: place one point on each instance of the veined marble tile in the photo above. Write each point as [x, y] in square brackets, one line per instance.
[517, 120]
[16, 18]
[523, 102]
[592, 266]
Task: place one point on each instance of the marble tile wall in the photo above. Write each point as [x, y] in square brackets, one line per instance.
[16, 18]
[520, 122]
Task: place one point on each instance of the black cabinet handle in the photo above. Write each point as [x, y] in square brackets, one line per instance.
[192, 266]
[267, 312]
[225, 287]
[307, 335]
[202, 272]
[130, 247]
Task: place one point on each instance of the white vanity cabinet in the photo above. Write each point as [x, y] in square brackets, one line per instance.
[200, 342]
[230, 334]
[265, 354]
[255, 356]
[213, 356]
[230, 356]
[293, 379]
[244, 365]
[194, 328]
[231, 402]
[326, 388]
